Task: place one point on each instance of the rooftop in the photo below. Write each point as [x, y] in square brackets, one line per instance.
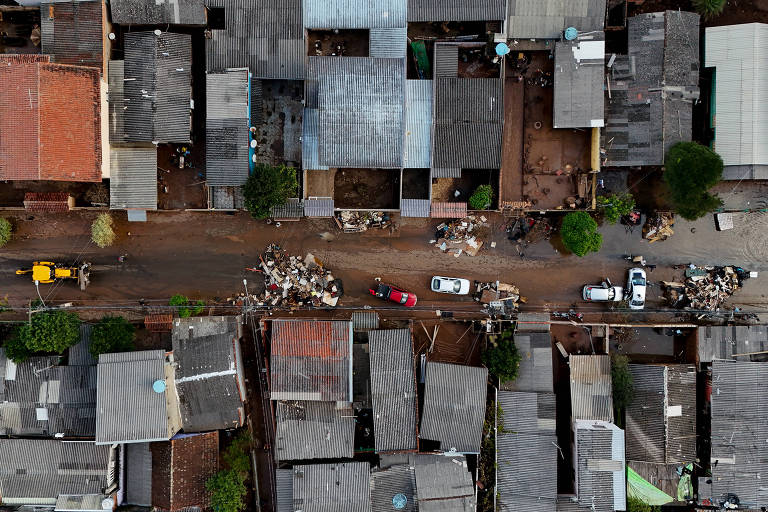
[443, 484]
[227, 127]
[728, 341]
[456, 10]
[349, 14]
[314, 430]
[158, 12]
[600, 473]
[386, 484]
[536, 367]
[579, 76]
[322, 487]
[591, 392]
[72, 32]
[133, 171]
[547, 19]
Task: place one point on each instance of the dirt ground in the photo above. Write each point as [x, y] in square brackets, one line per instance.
[279, 133]
[19, 26]
[511, 175]
[455, 342]
[367, 188]
[179, 189]
[416, 183]
[735, 11]
[319, 183]
[85, 194]
[444, 189]
[347, 43]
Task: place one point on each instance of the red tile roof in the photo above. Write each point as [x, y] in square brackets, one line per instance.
[449, 210]
[46, 201]
[50, 125]
[159, 323]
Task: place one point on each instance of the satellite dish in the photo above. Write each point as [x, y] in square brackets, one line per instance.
[158, 386]
[399, 501]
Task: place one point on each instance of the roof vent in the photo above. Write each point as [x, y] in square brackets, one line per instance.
[399, 501]
[571, 33]
[158, 386]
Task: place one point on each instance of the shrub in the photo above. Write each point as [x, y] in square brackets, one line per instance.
[102, 230]
[709, 8]
[112, 334]
[579, 233]
[199, 307]
[227, 487]
[637, 505]
[53, 331]
[615, 205]
[181, 302]
[15, 349]
[269, 186]
[503, 359]
[5, 232]
[621, 381]
[690, 171]
[482, 198]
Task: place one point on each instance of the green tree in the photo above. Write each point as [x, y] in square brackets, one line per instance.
[579, 233]
[15, 349]
[112, 334]
[690, 171]
[199, 307]
[502, 358]
[103, 231]
[269, 186]
[227, 490]
[181, 302]
[482, 198]
[615, 205]
[53, 331]
[5, 231]
[709, 8]
[621, 381]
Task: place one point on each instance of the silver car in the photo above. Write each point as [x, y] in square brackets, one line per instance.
[452, 285]
[603, 292]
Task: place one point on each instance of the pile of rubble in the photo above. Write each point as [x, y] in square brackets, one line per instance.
[499, 299]
[297, 281]
[357, 222]
[658, 227]
[705, 288]
[463, 236]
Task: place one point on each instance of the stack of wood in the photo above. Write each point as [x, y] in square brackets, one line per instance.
[658, 227]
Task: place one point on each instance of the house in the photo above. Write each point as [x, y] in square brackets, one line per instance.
[536, 370]
[739, 455]
[392, 487]
[738, 342]
[661, 423]
[72, 32]
[311, 360]
[526, 452]
[440, 10]
[454, 406]
[591, 391]
[579, 76]
[393, 390]
[649, 103]
[443, 484]
[342, 486]
[314, 430]
[736, 54]
[547, 19]
[158, 12]
[61, 474]
[227, 124]
[133, 170]
[209, 374]
[136, 399]
[36, 95]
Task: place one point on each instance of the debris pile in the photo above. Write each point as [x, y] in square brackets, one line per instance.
[705, 288]
[297, 281]
[357, 222]
[658, 227]
[463, 236]
[499, 299]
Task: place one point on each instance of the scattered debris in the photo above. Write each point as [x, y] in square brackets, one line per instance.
[658, 227]
[356, 222]
[705, 288]
[462, 236]
[529, 229]
[500, 299]
[297, 281]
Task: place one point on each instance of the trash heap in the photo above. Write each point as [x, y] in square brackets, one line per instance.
[297, 281]
[357, 222]
[463, 236]
[500, 299]
[705, 288]
[658, 227]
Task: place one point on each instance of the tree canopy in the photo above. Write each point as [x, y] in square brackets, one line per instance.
[227, 486]
[613, 206]
[5, 231]
[502, 357]
[621, 381]
[690, 171]
[112, 334]
[579, 233]
[269, 186]
[53, 331]
[709, 8]
[482, 198]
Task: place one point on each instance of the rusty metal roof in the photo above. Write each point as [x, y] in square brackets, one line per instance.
[449, 210]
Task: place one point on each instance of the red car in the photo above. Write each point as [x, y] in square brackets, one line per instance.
[394, 294]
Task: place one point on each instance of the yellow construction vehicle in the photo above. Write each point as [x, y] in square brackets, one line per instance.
[45, 272]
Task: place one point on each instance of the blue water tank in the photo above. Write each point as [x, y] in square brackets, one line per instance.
[399, 501]
[158, 386]
[571, 33]
[502, 49]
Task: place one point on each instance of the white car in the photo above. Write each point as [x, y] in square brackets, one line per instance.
[603, 292]
[636, 284]
[450, 285]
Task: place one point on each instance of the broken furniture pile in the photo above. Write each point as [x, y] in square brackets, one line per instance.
[461, 236]
[293, 281]
[658, 227]
[499, 298]
[705, 288]
[357, 222]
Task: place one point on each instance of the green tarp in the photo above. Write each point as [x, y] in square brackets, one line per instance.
[640, 488]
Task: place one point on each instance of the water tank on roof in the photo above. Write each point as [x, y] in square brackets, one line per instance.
[502, 49]
[158, 386]
[399, 501]
[107, 504]
[571, 33]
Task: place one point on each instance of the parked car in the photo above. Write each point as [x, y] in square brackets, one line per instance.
[453, 285]
[604, 292]
[636, 284]
[394, 294]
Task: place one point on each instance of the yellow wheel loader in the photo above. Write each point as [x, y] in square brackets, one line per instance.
[45, 272]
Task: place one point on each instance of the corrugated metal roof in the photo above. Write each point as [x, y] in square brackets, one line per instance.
[133, 177]
[393, 390]
[365, 320]
[311, 360]
[39, 470]
[526, 451]
[446, 60]
[343, 487]
[456, 10]
[418, 124]
[309, 140]
[157, 88]
[739, 453]
[387, 483]
[535, 372]
[445, 173]
[318, 207]
[454, 406]
[387, 42]
[723, 341]
[71, 32]
[579, 76]
[127, 408]
[360, 110]
[292, 209]
[157, 12]
[546, 19]
[349, 14]
[448, 210]
[415, 208]
[443, 482]
[227, 127]
[138, 474]
[314, 430]
[284, 495]
[591, 392]
[600, 466]
[532, 322]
